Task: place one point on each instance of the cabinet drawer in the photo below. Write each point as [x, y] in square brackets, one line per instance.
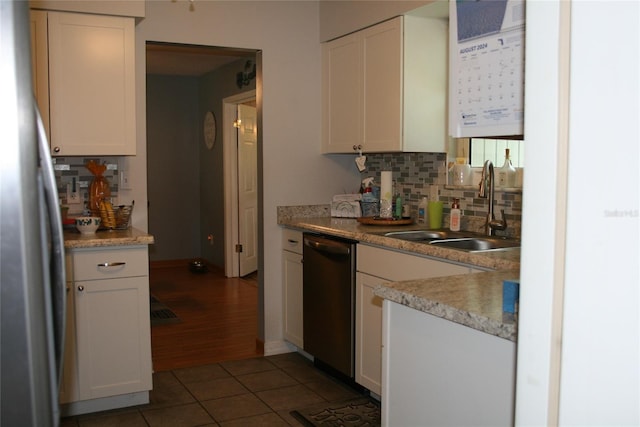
[292, 240]
[397, 266]
[93, 264]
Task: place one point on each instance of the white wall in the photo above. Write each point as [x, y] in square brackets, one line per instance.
[579, 330]
[294, 170]
[341, 17]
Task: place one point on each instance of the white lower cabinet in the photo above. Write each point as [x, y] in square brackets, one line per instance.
[69, 382]
[375, 266]
[292, 286]
[108, 347]
[368, 336]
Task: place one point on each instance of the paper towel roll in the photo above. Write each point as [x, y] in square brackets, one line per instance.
[386, 194]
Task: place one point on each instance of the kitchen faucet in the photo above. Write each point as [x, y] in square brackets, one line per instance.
[488, 180]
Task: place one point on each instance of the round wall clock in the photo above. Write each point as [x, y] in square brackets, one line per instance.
[209, 129]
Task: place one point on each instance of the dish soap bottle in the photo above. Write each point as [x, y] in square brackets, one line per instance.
[507, 173]
[422, 211]
[454, 216]
[398, 205]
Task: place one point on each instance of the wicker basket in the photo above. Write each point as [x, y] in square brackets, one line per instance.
[115, 217]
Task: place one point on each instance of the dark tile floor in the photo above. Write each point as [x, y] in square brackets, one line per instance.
[251, 392]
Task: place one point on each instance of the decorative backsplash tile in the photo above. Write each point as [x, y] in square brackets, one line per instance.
[415, 173]
[69, 168]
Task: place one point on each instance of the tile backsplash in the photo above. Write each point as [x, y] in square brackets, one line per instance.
[69, 168]
[415, 173]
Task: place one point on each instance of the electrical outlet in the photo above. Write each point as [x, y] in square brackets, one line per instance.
[433, 193]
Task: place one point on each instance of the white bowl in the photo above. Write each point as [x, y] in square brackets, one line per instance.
[87, 224]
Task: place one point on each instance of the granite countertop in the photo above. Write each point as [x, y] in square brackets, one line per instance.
[350, 228]
[473, 300]
[129, 237]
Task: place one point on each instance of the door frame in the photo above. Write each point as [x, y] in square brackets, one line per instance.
[230, 174]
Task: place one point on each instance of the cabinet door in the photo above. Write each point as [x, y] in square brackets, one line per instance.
[425, 84]
[113, 336]
[91, 84]
[292, 276]
[368, 333]
[342, 95]
[375, 266]
[382, 86]
[69, 383]
[40, 63]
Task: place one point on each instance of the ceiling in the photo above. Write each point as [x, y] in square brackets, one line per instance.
[190, 60]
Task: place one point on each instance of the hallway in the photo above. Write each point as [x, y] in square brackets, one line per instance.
[218, 317]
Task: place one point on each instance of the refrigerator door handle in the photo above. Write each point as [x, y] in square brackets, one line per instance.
[57, 267]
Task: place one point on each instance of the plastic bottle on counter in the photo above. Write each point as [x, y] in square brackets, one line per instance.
[398, 206]
[454, 216]
[422, 211]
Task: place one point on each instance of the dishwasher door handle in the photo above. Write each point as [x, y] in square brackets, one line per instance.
[334, 249]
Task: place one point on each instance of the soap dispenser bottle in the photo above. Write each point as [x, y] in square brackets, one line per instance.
[397, 203]
[422, 211]
[454, 216]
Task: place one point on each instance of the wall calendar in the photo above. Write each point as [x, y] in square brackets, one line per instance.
[487, 67]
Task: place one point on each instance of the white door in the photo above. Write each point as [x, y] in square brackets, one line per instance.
[247, 189]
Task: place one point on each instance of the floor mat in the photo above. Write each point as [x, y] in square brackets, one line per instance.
[161, 314]
[358, 412]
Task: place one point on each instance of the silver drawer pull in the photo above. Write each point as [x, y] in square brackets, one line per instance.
[111, 264]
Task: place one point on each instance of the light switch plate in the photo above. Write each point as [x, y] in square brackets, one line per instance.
[73, 197]
[125, 183]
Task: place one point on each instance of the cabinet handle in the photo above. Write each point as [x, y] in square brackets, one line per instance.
[81, 288]
[111, 264]
[56, 149]
[295, 242]
[357, 147]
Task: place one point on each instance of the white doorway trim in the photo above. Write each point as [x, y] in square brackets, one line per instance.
[230, 174]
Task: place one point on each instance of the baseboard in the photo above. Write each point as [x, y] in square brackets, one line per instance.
[271, 348]
[172, 263]
[104, 403]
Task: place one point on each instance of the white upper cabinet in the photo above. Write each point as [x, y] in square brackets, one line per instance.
[341, 94]
[91, 71]
[384, 88]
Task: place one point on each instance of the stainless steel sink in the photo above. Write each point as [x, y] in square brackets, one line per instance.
[418, 235]
[475, 244]
[465, 241]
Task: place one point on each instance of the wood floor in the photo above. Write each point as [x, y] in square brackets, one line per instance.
[218, 317]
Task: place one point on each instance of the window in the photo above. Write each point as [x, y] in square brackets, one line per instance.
[482, 149]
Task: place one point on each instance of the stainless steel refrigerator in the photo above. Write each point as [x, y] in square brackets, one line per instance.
[32, 281]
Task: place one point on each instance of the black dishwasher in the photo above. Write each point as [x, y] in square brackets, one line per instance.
[329, 301]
